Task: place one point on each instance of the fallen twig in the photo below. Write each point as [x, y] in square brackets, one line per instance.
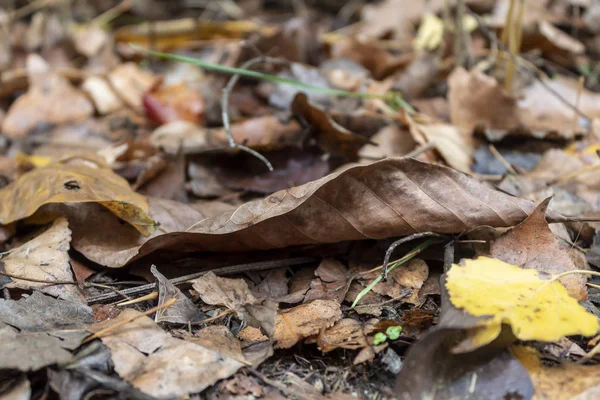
[225, 106]
[397, 243]
[233, 269]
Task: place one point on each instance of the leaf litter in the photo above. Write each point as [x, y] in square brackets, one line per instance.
[148, 252]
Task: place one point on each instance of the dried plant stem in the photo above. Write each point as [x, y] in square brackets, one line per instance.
[421, 149]
[233, 269]
[538, 75]
[580, 85]
[567, 273]
[502, 160]
[103, 332]
[216, 317]
[515, 32]
[23, 278]
[225, 106]
[149, 296]
[112, 13]
[595, 350]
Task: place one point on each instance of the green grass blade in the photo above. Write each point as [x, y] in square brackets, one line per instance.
[413, 253]
[390, 96]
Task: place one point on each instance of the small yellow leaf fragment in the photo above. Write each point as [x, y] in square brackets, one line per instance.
[507, 294]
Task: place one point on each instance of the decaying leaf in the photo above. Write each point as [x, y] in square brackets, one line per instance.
[174, 103]
[30, 351]
[219, 338]
[405, 280]
[44, 103]
[112, 243]
[130, 83]
[39, 312]
[295, 324]
[73, 182]
[479, 100]
[455, 147]
[330, 136]
[431, 370]
[563, 382]
[532, 245]
[160, 365]
[45, 258]
[393, 197]
[535, 308]
[232, 293]
[332, 282]
[257, 133]
[183, 311]
[104, 98]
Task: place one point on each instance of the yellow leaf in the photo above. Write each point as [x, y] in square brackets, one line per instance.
[562, 382]
[74, 182]
[430, 33]
[506, 294]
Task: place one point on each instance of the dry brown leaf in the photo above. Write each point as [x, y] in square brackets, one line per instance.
[379, 61]
[391, 141]
[273, 286]
[347, 333]
[331, 270]
[219, 338]
[178, 102]
[44, 103]
[541, 112]
[332, 137]
[104, 98]
[395, 197]
[259, 133]
[431, 370]
[410, 276]
[160, 365]
[141, 334]
[232, 293]
[30, 351]
[455, 147]
[183, 311]
[478, 100]
[89, 40]
[130, 83]
[46, 258]
[532, 245]
[39, 312]
[332, 282]
[74, 182]
[112, 243]
[295, 324]
[564, 382]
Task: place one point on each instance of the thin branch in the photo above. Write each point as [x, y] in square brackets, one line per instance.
[23, 278]
[225, 106]
[397, 243]
[233, 269]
